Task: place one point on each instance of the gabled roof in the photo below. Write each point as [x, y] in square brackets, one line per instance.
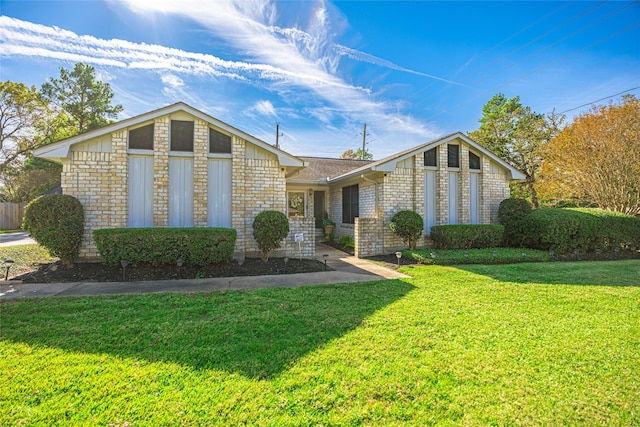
[322, 169]
[388, 164]
[61, 149]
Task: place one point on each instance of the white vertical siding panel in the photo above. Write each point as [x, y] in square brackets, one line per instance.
[219, 193]
[429, 201]
[140, 192]
[180, 192]
[453, 198]
[474, 192]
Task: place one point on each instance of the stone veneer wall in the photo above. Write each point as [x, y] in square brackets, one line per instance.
[368, 237]
[306, 248]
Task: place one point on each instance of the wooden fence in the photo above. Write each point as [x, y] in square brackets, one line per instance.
[11, 215]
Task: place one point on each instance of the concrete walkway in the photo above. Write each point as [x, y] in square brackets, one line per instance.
[347, 269]
[15, 239]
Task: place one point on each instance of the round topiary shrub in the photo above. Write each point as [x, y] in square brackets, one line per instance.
[512, 214]
[408, 225]
[269, 229]
[56, 222]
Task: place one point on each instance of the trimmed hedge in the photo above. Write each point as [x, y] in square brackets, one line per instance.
[408, 225]
[56, 222]
[512, 213]
[563, 230]
[157, 246]
[465, 236]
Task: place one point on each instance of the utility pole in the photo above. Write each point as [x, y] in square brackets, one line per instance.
[278, 134]
[364, 142]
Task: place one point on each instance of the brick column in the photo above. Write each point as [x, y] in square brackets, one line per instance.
[161, 172]
[238, 187]
[200, 173]
[118, 181]
[464, 198]
[485, 192]
[442, 186]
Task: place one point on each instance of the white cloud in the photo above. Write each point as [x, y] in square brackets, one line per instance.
[172, 80]
[264, 108]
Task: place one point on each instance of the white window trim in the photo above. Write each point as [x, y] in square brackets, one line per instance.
[219, 156]
[139, 152]
[181, 153]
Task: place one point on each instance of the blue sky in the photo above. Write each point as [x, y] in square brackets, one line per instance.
[411, 70]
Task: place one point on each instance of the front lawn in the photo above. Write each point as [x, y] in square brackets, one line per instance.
[526, 344]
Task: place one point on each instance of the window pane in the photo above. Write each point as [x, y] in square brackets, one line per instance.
[453, 156]
[219, 142]
[141, 138]
[350, 204]
[430, 158]
[181, 135]
[296, 203]
[474, 161]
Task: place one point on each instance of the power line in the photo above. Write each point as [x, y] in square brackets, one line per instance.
[598, 100]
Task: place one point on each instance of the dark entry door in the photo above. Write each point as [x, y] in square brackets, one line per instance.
[318, 207]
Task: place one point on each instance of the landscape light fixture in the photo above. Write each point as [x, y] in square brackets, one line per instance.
[179, 263]
[240, 261]
[8, 263]
[494, 253]
[286, 260]
[325, 256]
[398, 255]
[466, 254]
[124, 263]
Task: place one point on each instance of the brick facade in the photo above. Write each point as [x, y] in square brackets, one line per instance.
[100, 182]
[404, 189]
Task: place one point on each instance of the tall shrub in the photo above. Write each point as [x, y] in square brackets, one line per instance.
[269, 229]
[512, 214]
[56, 222]
[408, 225]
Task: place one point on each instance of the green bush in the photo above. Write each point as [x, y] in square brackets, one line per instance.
[408, 225]
[158, 246]
[465, 236]
[563, 230]
[56, 222]
[347, 242]
[269, 229]
[512, 214]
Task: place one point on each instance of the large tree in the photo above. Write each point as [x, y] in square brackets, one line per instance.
[26, 122]
[22, 113]
[86, 100]
[597, 158]
[517, 135]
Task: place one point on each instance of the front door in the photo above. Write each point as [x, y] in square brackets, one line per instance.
[318, 207]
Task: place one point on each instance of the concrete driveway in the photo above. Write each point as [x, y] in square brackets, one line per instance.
[15, 239]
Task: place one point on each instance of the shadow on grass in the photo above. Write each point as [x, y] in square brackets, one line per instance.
[584, 273]
[256, 333]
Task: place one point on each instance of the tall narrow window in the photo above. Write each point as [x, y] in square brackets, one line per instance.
[474, 161]
[181, 136]
[431, 158]
[453, 156]
[141, 138]
[219, 142]
[350, 204]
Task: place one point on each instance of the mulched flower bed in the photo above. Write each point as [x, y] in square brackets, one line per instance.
[97, 272]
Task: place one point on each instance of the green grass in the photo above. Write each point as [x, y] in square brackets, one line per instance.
[26, 258]
[476, 256]
[527, 344]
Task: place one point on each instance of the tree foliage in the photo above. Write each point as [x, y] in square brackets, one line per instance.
[517, 135]
[357, 155]
[270, 228]
[87, 101]
[597, 158]
[23, 112]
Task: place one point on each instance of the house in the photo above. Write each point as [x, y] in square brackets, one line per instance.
[179, 167]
